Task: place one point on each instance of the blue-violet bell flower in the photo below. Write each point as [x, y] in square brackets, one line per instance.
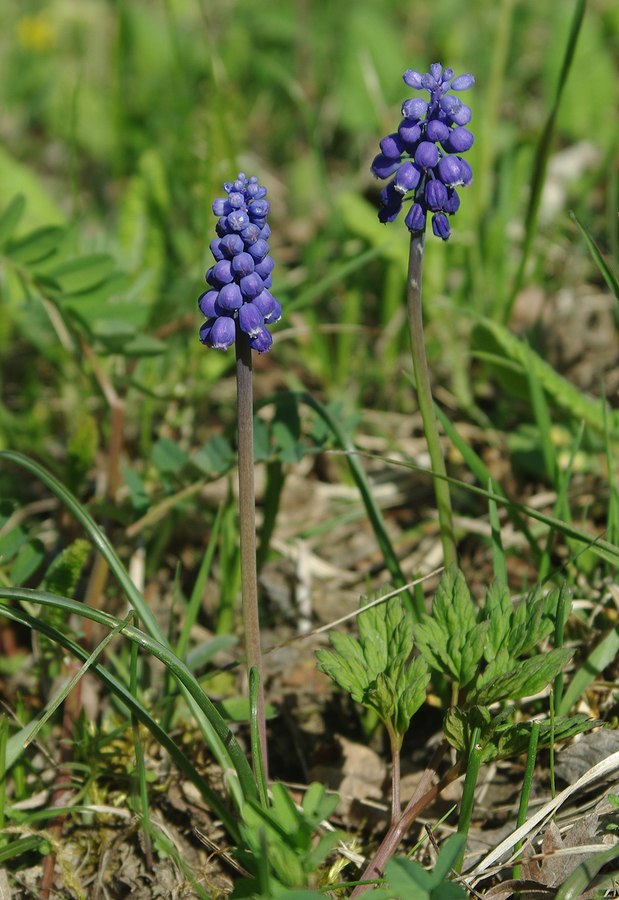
[424, 154]
[238, 297]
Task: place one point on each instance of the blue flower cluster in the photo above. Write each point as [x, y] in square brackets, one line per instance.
[424, 154]
[239, 282]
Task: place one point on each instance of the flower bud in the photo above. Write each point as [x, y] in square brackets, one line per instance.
[251, 320]
[261, 341]
[222, 334]
[426, 155]
[435, 194]
[440, 226]
[242, 264]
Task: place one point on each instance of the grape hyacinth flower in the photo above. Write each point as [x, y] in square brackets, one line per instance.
[423, 155]
[423, 159]
[238, 307]
[238, 298]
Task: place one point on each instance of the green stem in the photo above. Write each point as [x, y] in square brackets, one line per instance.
[424, 396]
[397, 830]
[4, 736]
[468, 793]
[396, 743]
[525, 793]
[247, 529]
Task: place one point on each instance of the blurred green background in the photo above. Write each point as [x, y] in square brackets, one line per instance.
[121, 120]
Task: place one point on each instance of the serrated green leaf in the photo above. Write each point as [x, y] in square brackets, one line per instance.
[512, 740]
[345, 665]
[411, 689]
[382, 697]
[37, 245]
[498, 610]
[64, 572]
[525, 679]
[375, 669]
[9, 220]
[451, 639]
[455, 728]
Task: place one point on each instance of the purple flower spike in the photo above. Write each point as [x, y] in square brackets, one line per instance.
[423, 157]
[238, 302]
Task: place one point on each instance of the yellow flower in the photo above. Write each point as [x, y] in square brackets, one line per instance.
[36, 33]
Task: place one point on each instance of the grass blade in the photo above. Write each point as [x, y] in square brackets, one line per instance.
[605, 270]
[163, 653]
[542, 155]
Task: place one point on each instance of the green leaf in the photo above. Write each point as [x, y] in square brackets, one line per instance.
[582, 877]
[526, 679]
[499, 611]
[28, 559]
[512, 740]
[375, 670]
[411, 688]
[602, 655]
[143, 345]
[407, 878]
[605, 270]
[318, 804]
[9, 220]
[345, 665]
[78, 276]
[37, 245]
[490, 335]
[64, 572]
[449, 853]
[459, 724]
[113, 334]
[215, 457]
[168, 457]
[451, 639]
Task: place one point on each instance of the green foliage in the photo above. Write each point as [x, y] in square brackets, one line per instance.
[500, 737]
[406, 879]
[65, 570]
[479, 649]
[452, 639]
[376, 670]
[280, 845]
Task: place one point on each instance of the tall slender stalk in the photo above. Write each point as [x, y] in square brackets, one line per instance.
[424, 395]
[247, 528]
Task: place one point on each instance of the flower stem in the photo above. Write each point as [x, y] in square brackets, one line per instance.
[397, 830]
[247, 527]
[424, 396]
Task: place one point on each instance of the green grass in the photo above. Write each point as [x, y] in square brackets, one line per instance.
[120, 122]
